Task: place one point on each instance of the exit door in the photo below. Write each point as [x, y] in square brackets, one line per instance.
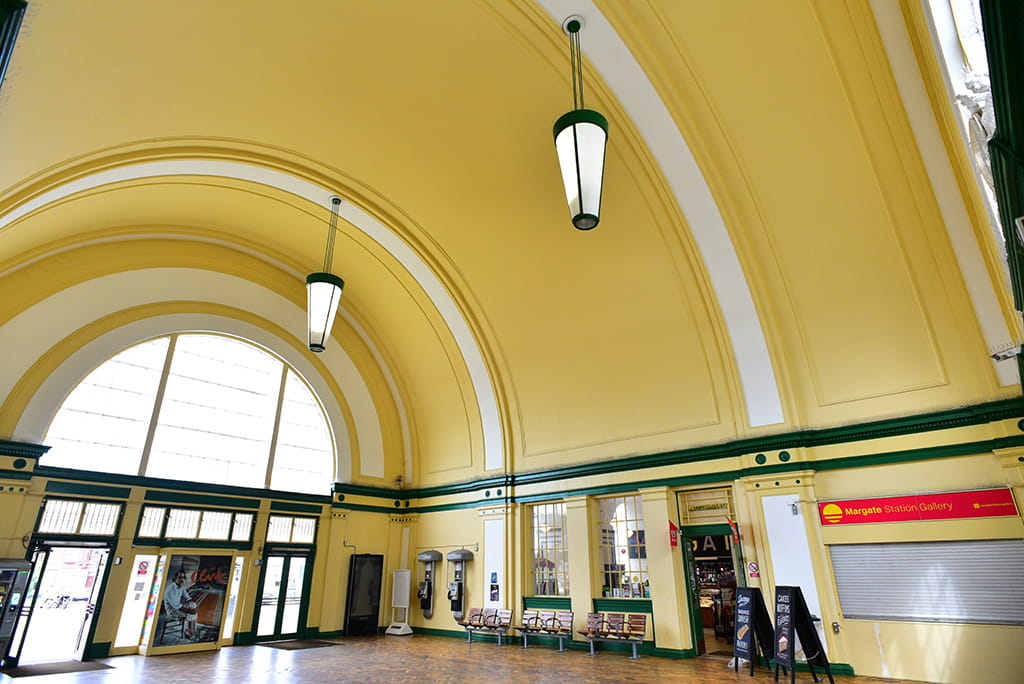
[57, 616]
[284, 596]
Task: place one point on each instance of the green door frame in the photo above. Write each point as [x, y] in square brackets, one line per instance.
[689, 562]
[288, 553]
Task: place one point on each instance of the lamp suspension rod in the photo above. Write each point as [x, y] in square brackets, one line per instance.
[332, 231]
[576, 58]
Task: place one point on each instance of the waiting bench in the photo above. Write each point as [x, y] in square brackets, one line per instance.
[495, 621]
[615, 628]
[546, 623]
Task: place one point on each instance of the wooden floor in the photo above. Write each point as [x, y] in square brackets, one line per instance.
[416, 658]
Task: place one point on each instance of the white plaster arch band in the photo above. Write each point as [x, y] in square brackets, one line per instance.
[623, 74]
[88, 301]
[487, 403]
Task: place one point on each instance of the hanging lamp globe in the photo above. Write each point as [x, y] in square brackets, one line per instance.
[580, 139]
[323, 290]
[323, 294]
[581, 136]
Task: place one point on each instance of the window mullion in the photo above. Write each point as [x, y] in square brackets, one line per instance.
[151, 433]
[277, 425]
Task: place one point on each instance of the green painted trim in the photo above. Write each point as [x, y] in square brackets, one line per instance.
[16, 474]
[345, 506]
[97, 650]
[677, 653]
[85, 539]
[704, 530]
[547, 603]
[201, 499]
[622, 605]
[244, 639]
[23, 449]
[170, 543]
[156, 483]
[440, 632]
[315, 633]
[836, 668]
[290, 507]
[58, 487]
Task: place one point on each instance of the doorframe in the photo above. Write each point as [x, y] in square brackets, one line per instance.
[690, 565]
[44, 543]
[309, 553]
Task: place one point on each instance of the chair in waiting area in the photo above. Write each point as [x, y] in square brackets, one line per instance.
[616, 627]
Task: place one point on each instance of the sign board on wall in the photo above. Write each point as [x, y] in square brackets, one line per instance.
[981, 503]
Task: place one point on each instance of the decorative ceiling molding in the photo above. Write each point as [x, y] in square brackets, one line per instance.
[487, 403]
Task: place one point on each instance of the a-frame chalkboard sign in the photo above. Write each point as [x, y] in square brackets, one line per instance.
[753, 628]
[792, 616]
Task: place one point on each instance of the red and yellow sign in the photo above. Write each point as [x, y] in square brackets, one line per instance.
[981, 503]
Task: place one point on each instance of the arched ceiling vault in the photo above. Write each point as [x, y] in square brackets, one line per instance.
[784, 241]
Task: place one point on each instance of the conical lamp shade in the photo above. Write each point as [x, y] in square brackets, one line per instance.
[580, 139]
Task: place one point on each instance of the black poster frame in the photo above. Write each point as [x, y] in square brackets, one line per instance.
[792, 614]
[759, 635]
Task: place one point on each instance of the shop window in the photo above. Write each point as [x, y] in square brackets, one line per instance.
[974, 581]
[196, 408]
[160, 522]
[66, 516]
[291, 530]
[622, 550]
[550, 557]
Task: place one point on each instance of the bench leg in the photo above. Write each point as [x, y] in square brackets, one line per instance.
[469, 636]
[591, 647]
[525, 645]
[561, 643]
[635, 656]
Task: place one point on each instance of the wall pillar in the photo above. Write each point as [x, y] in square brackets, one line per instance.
[666, 571]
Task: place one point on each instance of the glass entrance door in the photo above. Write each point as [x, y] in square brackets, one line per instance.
[283, 596]
[60, 604]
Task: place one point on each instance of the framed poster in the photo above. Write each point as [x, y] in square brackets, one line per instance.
[190, 611]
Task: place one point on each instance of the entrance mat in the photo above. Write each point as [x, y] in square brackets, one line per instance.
[728, 654]
[298, 644]
[54, 668]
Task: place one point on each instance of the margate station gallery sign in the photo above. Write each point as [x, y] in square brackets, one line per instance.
[980, 503]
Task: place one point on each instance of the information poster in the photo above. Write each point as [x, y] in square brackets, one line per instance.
[754, 633]
[192, 605]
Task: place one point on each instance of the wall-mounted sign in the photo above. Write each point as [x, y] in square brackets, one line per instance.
[981, 503]
[753, 569]
[673, 534]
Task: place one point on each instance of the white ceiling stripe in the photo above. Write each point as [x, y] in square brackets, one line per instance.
[487, 403]
[623, 74]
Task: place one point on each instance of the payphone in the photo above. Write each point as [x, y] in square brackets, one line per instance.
[426, 590]
[14, 574]
[457, 581]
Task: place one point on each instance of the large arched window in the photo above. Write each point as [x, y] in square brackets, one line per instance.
[196, 407]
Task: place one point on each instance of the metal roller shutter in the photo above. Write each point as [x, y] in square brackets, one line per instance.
[951, 581]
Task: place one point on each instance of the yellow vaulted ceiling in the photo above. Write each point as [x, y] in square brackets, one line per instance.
[434, 118]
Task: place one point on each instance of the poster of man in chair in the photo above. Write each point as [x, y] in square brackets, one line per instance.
[193, 600]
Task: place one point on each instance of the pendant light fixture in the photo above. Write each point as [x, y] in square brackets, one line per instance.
[323, 290]
[580, 139]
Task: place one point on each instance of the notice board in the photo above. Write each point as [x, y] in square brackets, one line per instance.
[754, 633]
[793, 619]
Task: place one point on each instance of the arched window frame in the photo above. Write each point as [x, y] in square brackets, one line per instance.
[153, 421]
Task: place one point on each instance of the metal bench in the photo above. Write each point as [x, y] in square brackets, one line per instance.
[615, 628]
[495, 621]
[546, 623]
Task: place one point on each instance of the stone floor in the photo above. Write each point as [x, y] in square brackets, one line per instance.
[414, 659]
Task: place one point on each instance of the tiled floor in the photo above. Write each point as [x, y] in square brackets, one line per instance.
[413, 659]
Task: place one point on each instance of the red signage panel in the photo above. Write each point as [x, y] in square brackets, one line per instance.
[981, 503]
